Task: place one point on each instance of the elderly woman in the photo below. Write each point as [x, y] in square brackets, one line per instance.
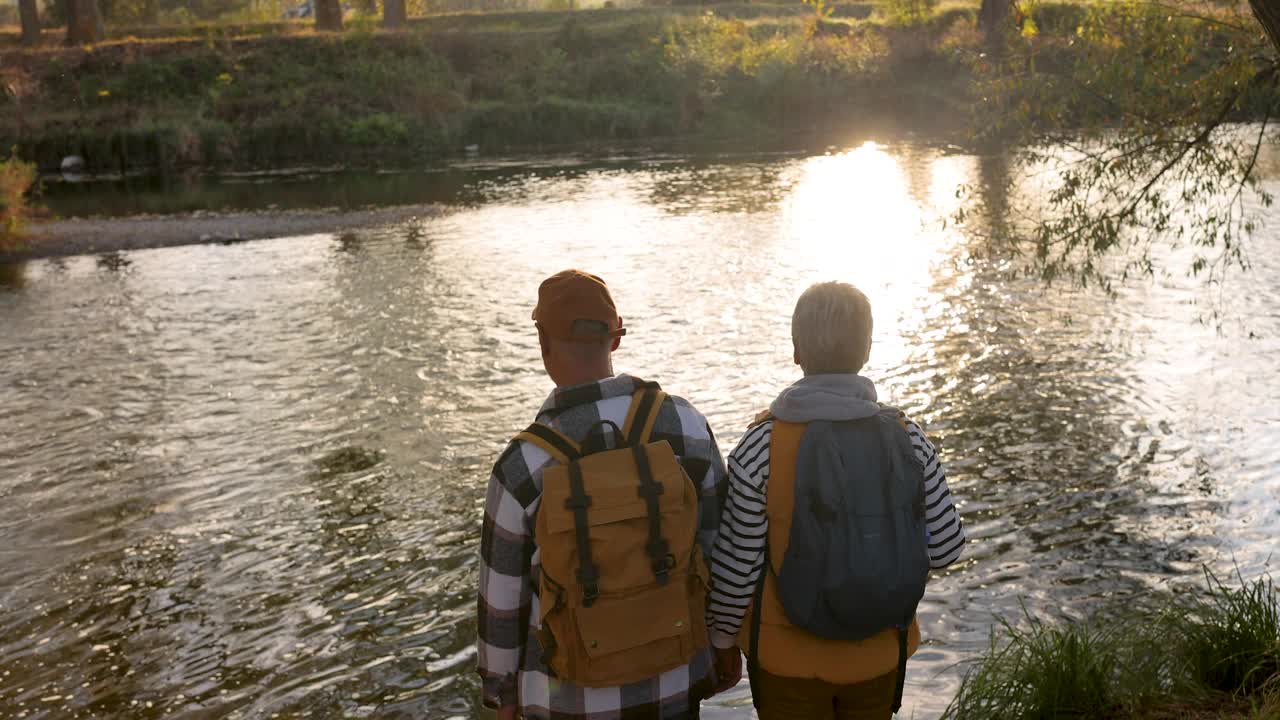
[837, 509]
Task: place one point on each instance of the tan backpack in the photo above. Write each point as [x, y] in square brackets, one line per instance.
[623, 583]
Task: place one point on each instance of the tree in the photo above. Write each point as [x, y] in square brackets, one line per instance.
[84, 22]
[1268, 14]
[329, 15]
[30, 21]
[993, 19]
[994, 16]
[394, 14]
[1129, 136]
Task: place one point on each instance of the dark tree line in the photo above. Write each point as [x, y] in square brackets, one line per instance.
[85, 24]
[84, 20]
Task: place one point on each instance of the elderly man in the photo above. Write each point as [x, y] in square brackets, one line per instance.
[837, 509]
[598, 518]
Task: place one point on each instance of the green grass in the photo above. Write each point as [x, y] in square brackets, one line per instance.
[1213, 656]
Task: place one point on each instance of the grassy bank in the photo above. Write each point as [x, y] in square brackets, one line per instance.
[1213, 656]
[278, 94]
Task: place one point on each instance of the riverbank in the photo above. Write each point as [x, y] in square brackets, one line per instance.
[83, 236]
[279, 95]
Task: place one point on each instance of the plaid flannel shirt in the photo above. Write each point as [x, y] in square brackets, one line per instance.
[510, 660]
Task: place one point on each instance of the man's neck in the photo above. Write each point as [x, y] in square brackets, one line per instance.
[583, 379]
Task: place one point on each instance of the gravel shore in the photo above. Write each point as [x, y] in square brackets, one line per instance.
[85, 236]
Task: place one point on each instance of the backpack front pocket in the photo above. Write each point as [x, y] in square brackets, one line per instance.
[638, 635]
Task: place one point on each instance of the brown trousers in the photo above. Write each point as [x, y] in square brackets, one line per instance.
[784, 698]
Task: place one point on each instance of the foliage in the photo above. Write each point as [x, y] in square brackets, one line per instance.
[1143, 94]
[268, 95]
[1221, 649]
[378, 130]
[909, 12]
[16, 179]
[781, 75]
[821, 10]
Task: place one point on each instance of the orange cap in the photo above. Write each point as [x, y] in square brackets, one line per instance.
[572, 295]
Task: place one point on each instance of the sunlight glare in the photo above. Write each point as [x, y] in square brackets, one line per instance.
[851, 218]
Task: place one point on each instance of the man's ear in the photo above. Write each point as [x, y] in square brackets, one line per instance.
[795, 356]
[618, 340]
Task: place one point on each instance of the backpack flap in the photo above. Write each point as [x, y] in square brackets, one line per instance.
[602, 513]
[617, 516]
[628, 623]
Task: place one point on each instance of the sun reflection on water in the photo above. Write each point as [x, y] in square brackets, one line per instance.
[852, 217]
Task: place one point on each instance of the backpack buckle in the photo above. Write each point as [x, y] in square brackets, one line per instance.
[651, 489]
[661, 559]
[576, 502]
[589, 578]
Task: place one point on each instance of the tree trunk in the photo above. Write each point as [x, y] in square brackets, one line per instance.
[993, 20]
[1268, 14]
[30, 13]
[329, 15]
[394, 14]
[84, 22]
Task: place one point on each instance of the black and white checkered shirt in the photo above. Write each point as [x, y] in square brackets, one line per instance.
[510, 660]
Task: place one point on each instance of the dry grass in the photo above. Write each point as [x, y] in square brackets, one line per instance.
[16, 178]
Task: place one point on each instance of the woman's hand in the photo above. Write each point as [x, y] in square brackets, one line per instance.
[728, 668]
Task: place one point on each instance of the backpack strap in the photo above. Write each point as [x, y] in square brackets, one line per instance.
[645, 404]
[898, 414]
[577, 503]
[902, 668]
[553, 441]
[569, 453]
[643, 413]
[753, 655]
[658, 549]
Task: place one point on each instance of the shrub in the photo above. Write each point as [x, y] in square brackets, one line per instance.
[16, 178]
[1222, 649]
[909, 12]
[378, 130]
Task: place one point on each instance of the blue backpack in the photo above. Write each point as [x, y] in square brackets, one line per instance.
[858, 554]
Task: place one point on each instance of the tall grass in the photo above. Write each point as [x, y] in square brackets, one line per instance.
[1216, 655]
[16, 178]
[1232, 641]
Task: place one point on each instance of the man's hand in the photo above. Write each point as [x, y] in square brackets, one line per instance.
[509, 712]
[728, 668]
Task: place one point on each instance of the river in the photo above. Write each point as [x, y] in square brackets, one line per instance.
[247, 480]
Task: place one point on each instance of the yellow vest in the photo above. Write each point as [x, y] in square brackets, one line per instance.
[786, 650]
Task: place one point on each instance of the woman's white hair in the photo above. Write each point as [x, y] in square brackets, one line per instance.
[831, 329]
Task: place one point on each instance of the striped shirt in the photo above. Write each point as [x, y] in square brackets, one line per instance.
[510, 659]
[739, 549]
